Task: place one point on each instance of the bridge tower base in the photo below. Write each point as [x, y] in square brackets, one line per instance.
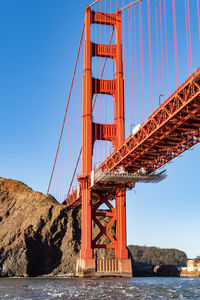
[104, 267]
[85, 267]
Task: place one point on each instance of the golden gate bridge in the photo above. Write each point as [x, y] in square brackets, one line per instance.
[129, 60]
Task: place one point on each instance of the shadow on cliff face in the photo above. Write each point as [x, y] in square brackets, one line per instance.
[43, 250]
[140, 269]
[77, 232]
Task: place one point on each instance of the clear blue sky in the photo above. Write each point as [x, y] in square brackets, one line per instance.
[38, 42]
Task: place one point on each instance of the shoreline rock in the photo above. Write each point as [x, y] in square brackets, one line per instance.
[37, 234]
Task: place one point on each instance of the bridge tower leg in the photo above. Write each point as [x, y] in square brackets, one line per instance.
[87, 264]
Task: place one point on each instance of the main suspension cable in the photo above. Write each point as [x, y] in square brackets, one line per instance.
[93, 3]
[123, 8]
[69, 96]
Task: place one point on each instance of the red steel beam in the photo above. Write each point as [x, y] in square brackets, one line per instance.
[169, 131]
[176, 110]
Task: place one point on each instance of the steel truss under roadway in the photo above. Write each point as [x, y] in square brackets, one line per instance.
[172, 129]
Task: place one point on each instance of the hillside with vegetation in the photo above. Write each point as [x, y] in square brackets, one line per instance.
[153, 256]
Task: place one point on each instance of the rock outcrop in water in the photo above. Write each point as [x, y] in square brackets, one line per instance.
[166, 271]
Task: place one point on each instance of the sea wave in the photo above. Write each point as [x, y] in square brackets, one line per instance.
[101, 288]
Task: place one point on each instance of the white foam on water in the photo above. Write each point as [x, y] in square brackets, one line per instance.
[99, 289]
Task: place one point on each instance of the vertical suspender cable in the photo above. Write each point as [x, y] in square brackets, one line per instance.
[58, 168]
[95, 89]
[64, 156]
[105, 94]
[189, 31]
[198, 14]
[158, 67]
[175, 41]
[132, 95]
[161, 42]
[76, 166]
[135, 52]
[80, 97]
[82, 64]
[76, 110]
[129, 52]
[186, 27]
[71, 147]
[72, 122]
[166, 48]
[141, 61]
[124, 70]
[150, 56]
[100, 96]
[66, 109]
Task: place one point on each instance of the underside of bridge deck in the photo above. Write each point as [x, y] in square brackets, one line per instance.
[172, 129]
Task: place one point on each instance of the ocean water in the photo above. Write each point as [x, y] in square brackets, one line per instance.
[104, 288]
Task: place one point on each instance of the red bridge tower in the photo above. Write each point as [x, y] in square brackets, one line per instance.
[92, 199]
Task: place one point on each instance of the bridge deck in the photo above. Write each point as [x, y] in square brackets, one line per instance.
[172, 129]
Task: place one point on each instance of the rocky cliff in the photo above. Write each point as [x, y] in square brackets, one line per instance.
[37, 234]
